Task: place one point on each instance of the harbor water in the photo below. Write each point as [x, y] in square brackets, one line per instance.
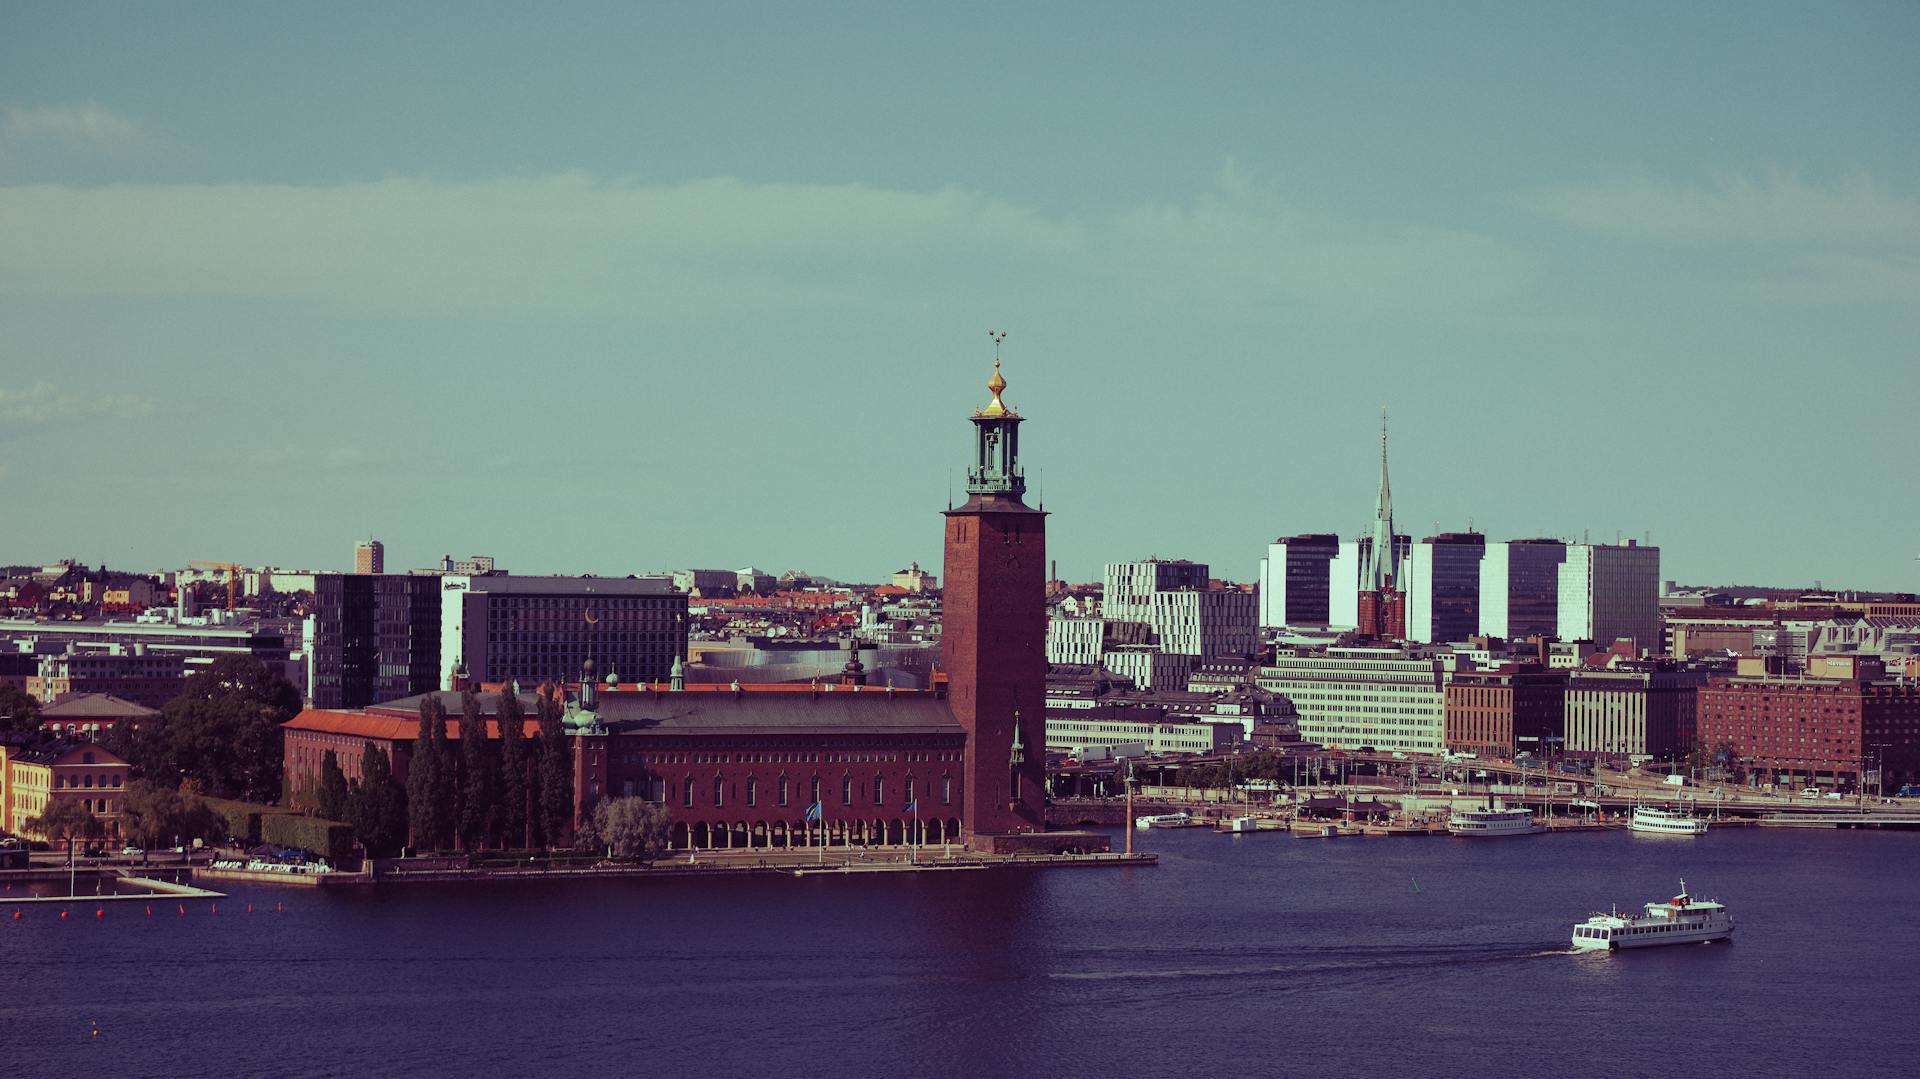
[1256, 954]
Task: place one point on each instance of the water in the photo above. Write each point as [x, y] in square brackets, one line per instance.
[1249, 955]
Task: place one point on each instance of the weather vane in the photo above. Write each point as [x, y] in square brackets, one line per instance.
[998, 336]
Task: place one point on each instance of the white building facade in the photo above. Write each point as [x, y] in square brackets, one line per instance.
[1352, 697]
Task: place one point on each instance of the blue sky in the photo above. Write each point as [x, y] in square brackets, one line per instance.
[611, 288]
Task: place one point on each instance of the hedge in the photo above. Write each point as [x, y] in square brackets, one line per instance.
[243, 818]
[329, 839]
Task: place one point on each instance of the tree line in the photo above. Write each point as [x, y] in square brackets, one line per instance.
[475, 793]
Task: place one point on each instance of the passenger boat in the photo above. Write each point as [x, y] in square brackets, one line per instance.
[1493, 821]
[1656, 820]
[1680, 920]
[1164, 820]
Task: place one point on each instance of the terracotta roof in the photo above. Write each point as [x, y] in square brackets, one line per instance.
[388, 728]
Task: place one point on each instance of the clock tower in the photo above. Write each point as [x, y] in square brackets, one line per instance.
[994, 629]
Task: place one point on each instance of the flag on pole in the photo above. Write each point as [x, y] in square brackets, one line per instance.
[813, 812]
[913, 806]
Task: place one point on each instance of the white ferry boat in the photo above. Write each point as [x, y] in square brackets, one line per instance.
[1164, 820]
[1656, 820]
[1680, 920]
[1493, 821]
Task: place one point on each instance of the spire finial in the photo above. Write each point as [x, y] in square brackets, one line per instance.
[998, 382]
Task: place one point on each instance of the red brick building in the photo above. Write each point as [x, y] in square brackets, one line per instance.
[1499, 712]
[739, 766]
[1817, 731]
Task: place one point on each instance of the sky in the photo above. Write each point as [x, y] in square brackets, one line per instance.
[620, 288]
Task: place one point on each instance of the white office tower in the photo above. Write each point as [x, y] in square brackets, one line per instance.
[1296, 581]
[1520, 588]
[1610, 593]
[1442, 582]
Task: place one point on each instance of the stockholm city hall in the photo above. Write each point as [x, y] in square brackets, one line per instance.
[781, 766]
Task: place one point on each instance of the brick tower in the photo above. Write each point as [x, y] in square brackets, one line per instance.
[994, 629]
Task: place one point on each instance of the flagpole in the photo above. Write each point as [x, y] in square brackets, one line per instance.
[914, 856]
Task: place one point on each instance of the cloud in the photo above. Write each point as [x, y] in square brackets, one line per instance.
[86, 127]
[46, 403]
[1781, 211]
[574, 242]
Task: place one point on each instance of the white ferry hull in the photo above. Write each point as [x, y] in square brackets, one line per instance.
[1653, 940]
[1659, 822]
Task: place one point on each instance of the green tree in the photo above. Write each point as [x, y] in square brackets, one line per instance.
[65, 819]
[18, 710]
[377, 806]
[632, 829]
[330, 794]
[556, 770]
[446, 779]
[222, 732]
[513, 770]
[480, 777]
[157, 816]
[422, 821]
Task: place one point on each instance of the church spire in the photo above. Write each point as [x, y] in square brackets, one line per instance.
[1381, 563]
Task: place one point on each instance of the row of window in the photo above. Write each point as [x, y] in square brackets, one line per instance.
[783, 791]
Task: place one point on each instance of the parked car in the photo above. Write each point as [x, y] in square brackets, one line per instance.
[131, 851]
[1810, 792]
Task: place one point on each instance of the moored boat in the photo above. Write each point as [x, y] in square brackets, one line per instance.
[1657, 820]
[1680, 920]
[1493, 821]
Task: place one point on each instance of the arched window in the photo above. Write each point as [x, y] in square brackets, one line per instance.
[783, 790]
[719, 790]
[815, 790]
[688, 799]
[879, 791]
[846, 790]
[946, 790]
[909, 793]
[753, 791]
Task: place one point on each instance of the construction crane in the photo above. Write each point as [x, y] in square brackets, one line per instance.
[233, 578]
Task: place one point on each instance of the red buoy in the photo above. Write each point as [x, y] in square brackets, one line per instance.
[17, 915]
[183, 908]
[63, 915]
[100, 912]
[249, 908]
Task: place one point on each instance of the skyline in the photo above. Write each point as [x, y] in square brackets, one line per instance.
[744, 267]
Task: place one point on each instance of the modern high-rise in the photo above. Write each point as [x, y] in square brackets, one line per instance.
[535, 629]
[1611, 593]
[1520, 588]
[369, 556]
[1442, 587]
[1296, 581]
[1130, 587]
[376, 637]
